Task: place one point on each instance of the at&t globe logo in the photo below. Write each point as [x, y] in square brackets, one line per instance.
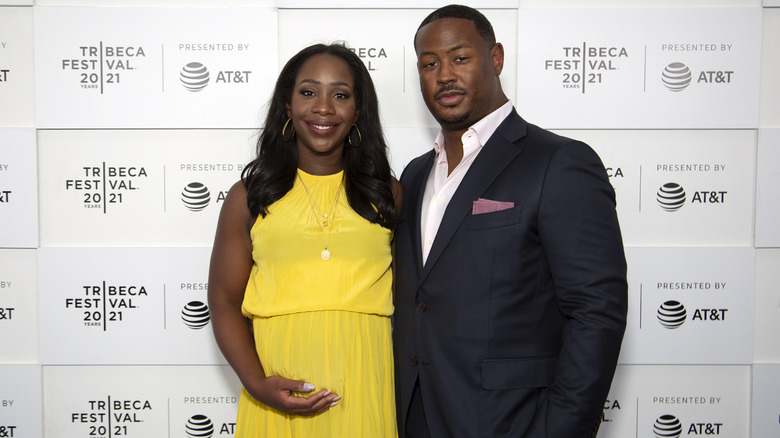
[672, 314]
[195, 315]
[200, 426]
[194, 76]
[671, 196]
[196, 196]
[676, 76]
[667, 426]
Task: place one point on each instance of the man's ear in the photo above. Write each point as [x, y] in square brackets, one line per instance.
[497, 58]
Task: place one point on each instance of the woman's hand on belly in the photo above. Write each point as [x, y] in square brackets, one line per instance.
[278, 393]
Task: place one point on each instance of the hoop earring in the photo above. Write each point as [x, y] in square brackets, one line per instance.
[349, 137]
[292, 131]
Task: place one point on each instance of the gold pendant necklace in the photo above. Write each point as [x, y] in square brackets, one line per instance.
[324, 219]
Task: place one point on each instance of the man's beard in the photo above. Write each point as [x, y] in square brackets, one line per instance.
[454, 122]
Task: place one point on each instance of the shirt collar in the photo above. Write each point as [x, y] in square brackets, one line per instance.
[483, 129]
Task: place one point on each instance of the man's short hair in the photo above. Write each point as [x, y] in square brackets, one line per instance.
[484, 28]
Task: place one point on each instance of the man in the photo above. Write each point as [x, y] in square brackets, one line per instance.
[511, 290]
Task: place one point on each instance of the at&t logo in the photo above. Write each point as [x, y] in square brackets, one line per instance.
[4, 75]
[7, 431]
[196, 196]
[671, 197]
[195, 76]
[669, 426]
[195, 315]
[672, 314]
[5, 196]
[201, 426]
[677, 77]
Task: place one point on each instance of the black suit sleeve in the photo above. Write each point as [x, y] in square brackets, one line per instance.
[581, 240]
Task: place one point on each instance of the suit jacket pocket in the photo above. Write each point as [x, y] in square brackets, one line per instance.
[533, 372]
[496, 219]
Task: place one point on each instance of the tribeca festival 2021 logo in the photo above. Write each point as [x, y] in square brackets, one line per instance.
[586, 65]
[106, 185]
[100, 67]
[110, 418]
[103, 304]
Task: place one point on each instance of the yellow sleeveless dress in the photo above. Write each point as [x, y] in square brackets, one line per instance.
[326, 322]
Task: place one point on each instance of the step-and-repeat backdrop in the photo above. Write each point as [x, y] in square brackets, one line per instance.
[114, 163]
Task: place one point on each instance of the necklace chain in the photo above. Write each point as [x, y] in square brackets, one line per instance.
[323, 219]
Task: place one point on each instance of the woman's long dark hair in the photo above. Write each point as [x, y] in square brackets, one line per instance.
[367, 174]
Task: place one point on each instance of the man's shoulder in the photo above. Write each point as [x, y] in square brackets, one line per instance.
[416, 165]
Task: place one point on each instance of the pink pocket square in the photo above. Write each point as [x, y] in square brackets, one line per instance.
[483, 205]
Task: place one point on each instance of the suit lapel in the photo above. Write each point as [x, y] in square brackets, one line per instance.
[497, 153]
[416, 193]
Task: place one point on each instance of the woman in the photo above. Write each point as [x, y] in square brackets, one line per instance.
[300, 277]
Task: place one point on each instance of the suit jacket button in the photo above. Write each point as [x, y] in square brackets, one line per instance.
[421, 307]
[413, 360]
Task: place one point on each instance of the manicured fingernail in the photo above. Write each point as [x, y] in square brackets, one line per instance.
[308, 387]
[334, 404]
[335, 399]
[327, 393]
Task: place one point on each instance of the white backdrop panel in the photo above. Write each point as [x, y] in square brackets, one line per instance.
[689, 306]
[637, 3]
[386, 46]
[768, 189]
[18, 306]
[694, 400]
[707, 176]
[135, 402]
[20, 401]
[769, 113]
[17, 86]
[137, 188]
[766, 400]
[154, 67]
[125, 306]
[18, 188]
[604, 68]
[355, 4]
[404, 144]
[165, 3]
[767, 325]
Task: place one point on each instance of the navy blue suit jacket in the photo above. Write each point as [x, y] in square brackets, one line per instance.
[514, 324]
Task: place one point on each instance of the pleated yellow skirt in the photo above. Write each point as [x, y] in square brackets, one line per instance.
[349, 353]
